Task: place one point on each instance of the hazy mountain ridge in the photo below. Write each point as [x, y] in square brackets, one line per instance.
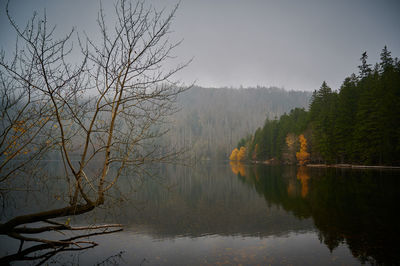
[211, 120]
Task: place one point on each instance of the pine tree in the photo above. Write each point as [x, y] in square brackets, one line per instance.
[365, 68]
[368, 134]
[358, 124]
[386, 60]
[322, 113]
[346, 115]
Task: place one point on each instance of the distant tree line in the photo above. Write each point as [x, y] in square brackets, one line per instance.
[211, 120]
[359, 123]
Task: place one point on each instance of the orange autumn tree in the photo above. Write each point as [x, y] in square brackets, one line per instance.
[238, 155]
[242, 154]
[234, 154]
[303, 156]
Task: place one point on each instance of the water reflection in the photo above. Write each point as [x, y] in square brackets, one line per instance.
[240, 206]
[238, 168]
[45, 252]
[207, 200]
[347, 206]
[302, 175]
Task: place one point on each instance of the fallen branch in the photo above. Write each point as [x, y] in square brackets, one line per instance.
[57, 246]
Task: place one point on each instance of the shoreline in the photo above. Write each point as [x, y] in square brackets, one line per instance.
[353, 166]
[344, 166]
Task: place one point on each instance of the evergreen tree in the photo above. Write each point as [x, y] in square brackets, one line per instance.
[322, 113]
[367, 136]
[346, 115]
[365, 68]
[359, 124]
[386, 60]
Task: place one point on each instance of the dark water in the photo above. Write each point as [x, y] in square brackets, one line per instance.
[238, 214]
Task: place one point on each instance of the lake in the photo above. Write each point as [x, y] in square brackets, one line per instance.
[221, 213]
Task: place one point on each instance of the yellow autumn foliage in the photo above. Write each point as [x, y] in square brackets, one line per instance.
[238, 155]
[234, 154]
[241, 154]
[303, 156]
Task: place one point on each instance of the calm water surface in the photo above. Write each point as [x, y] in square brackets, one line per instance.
[245, 214]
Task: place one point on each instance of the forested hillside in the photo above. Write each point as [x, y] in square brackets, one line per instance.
[211, 120]
[359, 123]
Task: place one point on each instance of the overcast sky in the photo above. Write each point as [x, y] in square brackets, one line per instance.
[290, 44]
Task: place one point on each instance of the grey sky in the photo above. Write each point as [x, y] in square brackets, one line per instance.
[291, 44]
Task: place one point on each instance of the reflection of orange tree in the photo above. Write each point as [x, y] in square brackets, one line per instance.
[303, 176]
[238, 168]
[272, 182]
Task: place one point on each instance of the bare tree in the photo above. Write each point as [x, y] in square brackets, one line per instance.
[107, 111]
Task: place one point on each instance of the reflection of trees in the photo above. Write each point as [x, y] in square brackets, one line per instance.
[357, 207]
[349, 207]
[279, 186]
[303, 176]
[208, 199]
[41, 253]
[238, 168]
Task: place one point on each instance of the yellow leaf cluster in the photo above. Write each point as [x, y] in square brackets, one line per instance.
[242, 154]
[238, 155]
[303, 156]
[16, 143]
[19, 126]
[234, 154]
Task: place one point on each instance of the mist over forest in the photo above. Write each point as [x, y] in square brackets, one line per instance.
[149, 132]
[212, 120]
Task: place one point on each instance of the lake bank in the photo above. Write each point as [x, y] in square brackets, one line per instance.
[353, 166]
